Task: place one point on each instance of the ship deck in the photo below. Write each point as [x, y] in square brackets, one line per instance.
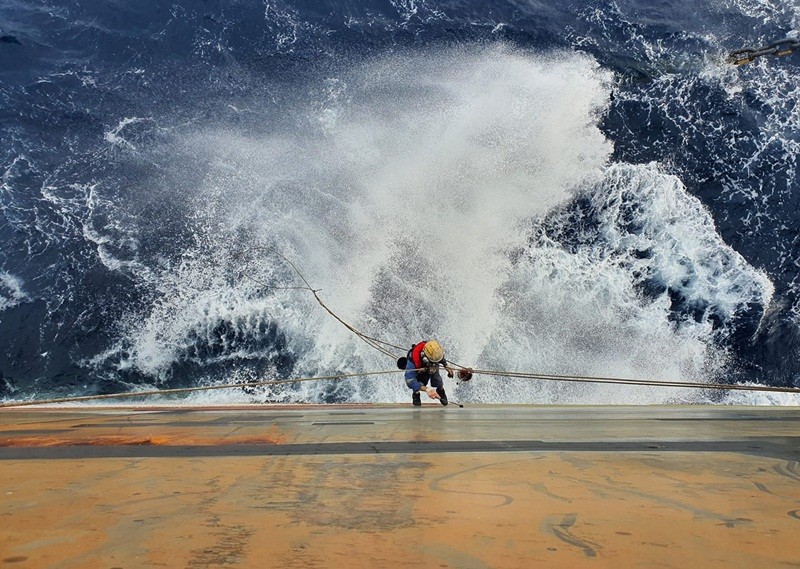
[369, 486]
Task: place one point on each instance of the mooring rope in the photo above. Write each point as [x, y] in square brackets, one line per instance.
[495, 373]
[188, 389]
[634, 381]
[376, 343]
[380, 346]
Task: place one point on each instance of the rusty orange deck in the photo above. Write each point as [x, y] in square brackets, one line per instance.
[382, 486]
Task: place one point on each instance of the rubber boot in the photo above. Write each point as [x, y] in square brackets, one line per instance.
[415, 399]
[442, 395]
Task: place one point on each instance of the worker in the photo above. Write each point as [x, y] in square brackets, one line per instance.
[422, 368]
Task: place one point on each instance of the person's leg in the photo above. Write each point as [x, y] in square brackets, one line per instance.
[413, 383]
[436, 381]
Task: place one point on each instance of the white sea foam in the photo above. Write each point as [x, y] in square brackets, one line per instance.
[114, 135]
[12, 291]
[757, 398]
[403, 196]
[579, 309]
[767, 10]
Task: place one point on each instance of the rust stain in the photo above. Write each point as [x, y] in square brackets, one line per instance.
[93, 434]
[130, 440]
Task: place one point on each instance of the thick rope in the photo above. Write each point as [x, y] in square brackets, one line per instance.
[186, 389]
[380, 346]
[633, 381]
[369, 340]
[495, 373]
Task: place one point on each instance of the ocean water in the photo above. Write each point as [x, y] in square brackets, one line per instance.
[565, 188]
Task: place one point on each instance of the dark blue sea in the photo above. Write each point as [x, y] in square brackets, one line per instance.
[575, 187]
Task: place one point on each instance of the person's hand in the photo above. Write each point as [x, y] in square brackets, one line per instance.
[449, 372]
[431, 393]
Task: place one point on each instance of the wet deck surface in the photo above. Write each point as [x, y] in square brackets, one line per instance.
[371, 486]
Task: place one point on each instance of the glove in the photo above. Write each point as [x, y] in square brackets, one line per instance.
[450, 373]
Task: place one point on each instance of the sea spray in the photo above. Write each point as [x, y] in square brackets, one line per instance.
[403, 191]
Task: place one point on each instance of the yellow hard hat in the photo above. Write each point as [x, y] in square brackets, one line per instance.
[433, 351]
